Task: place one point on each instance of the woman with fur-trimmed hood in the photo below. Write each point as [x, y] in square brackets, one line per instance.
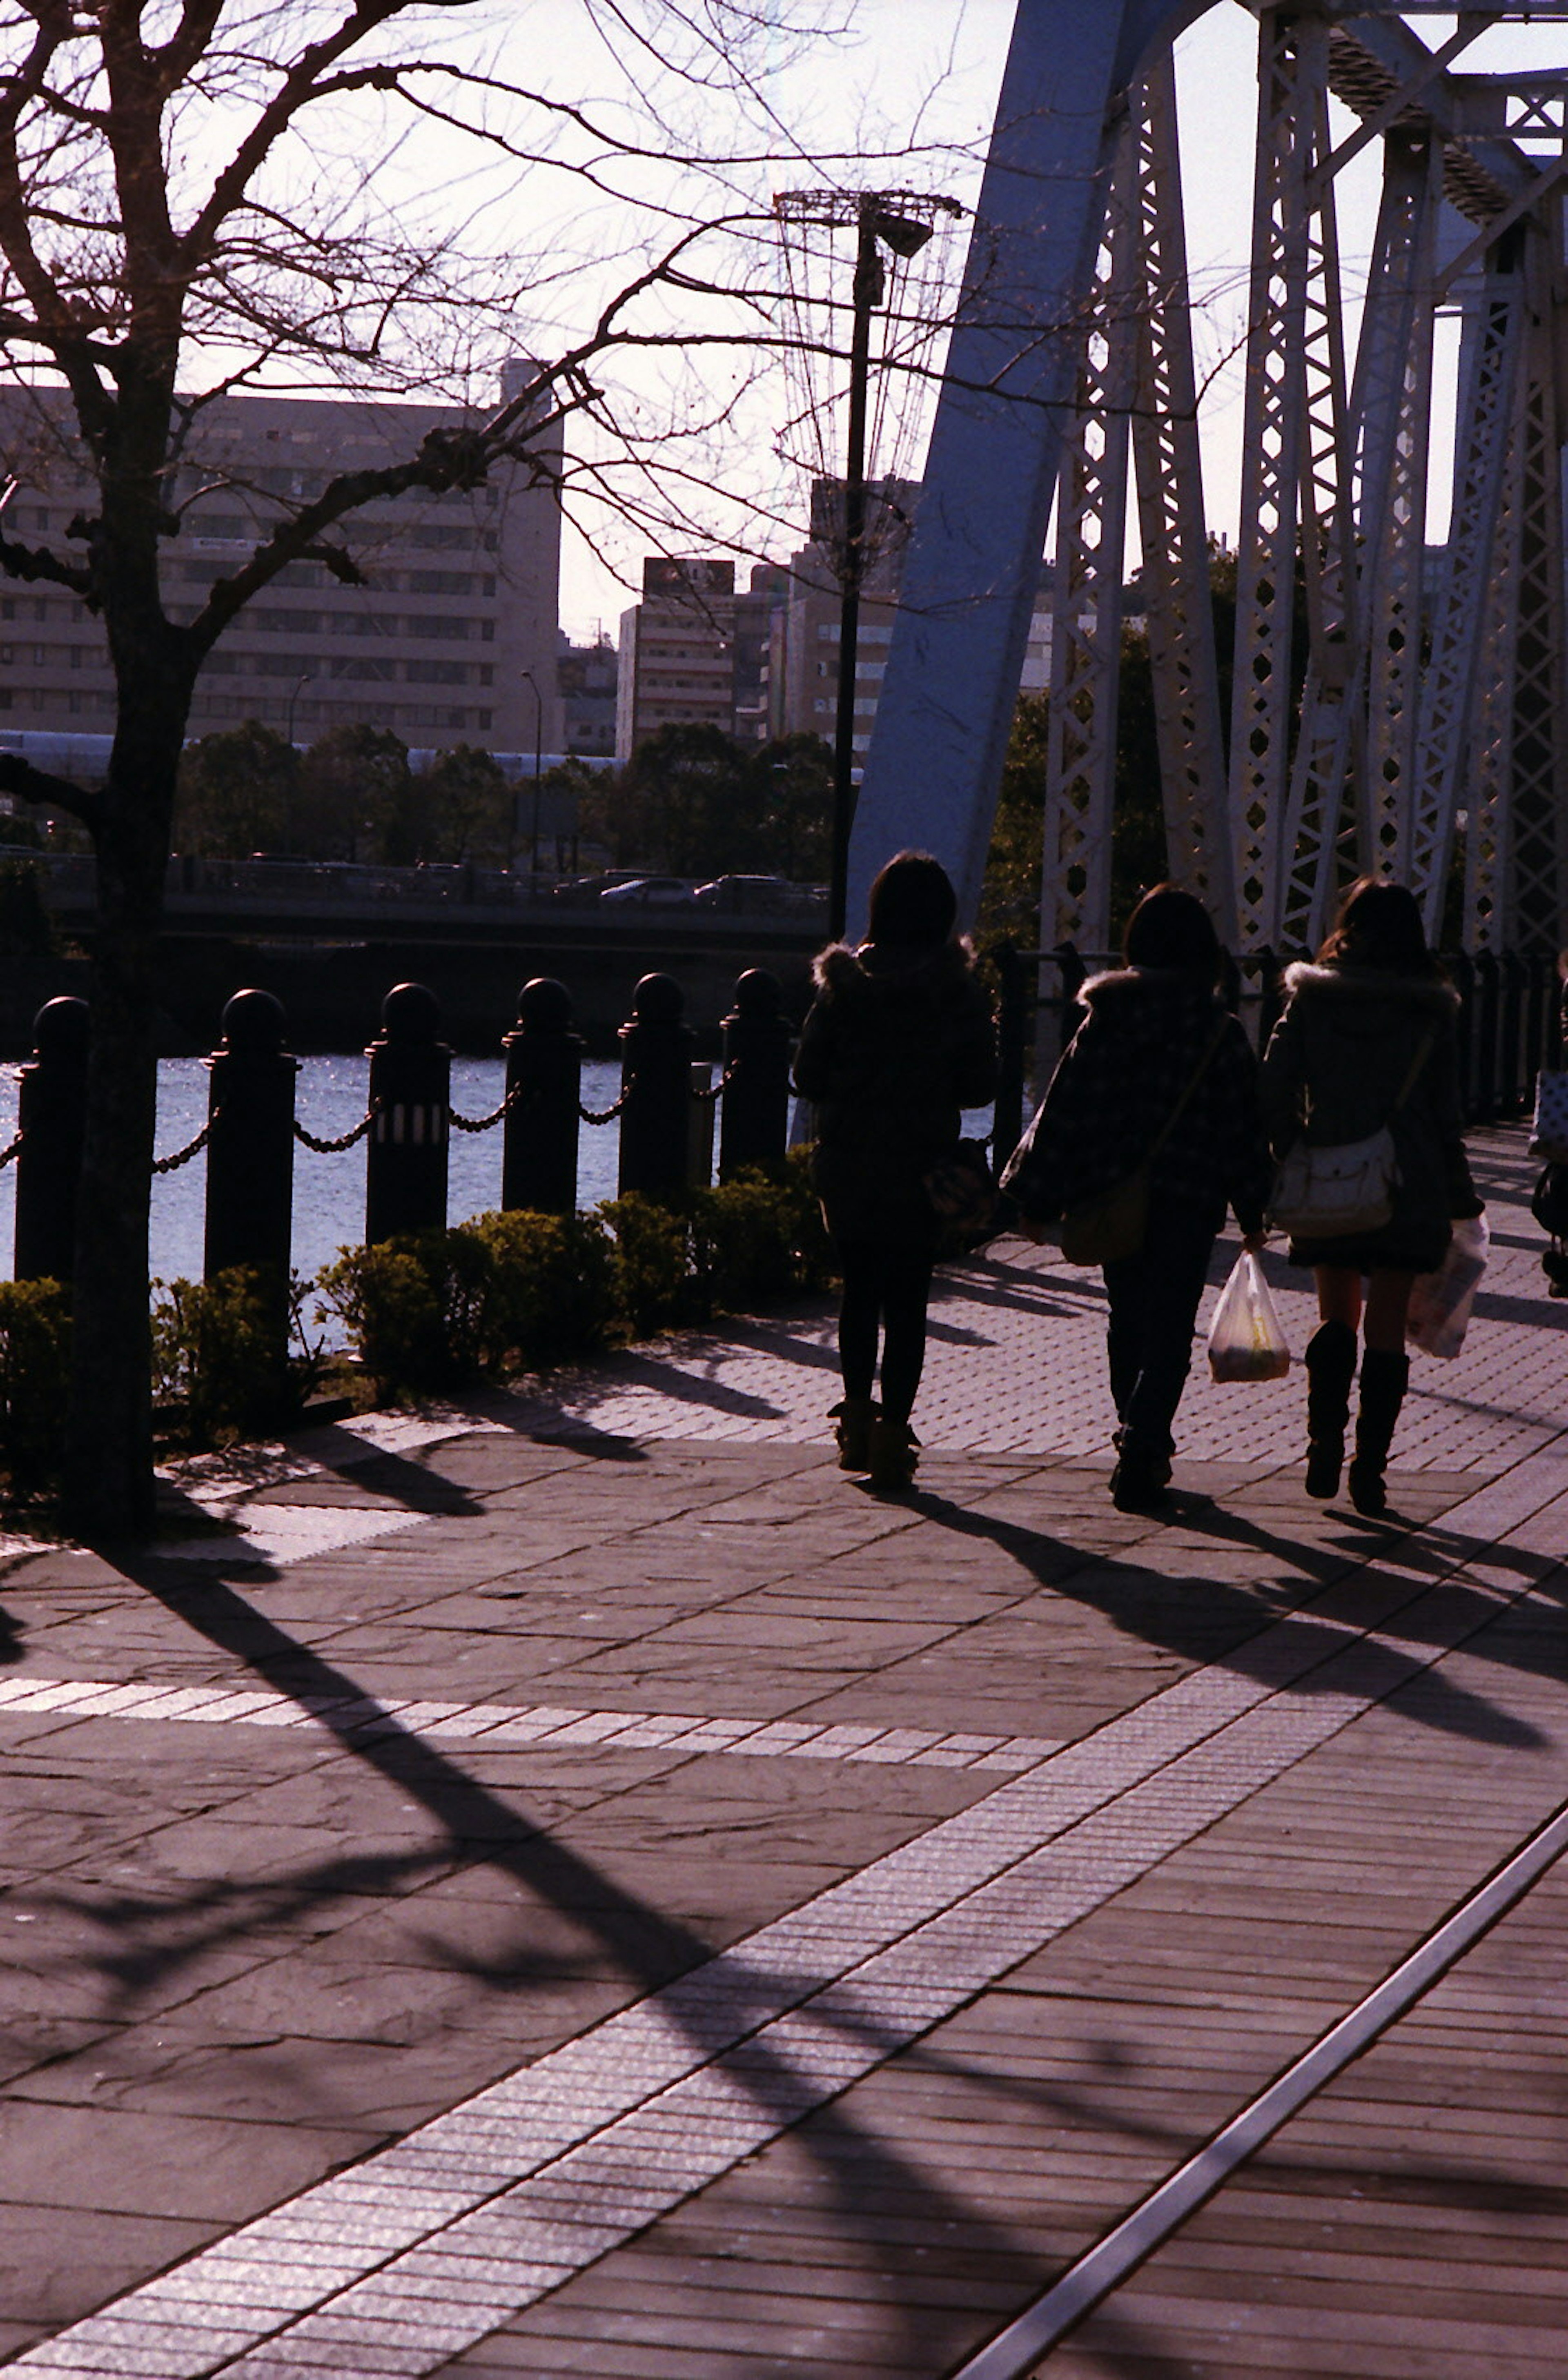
[1366, 1039]
[1156, 1043]
[899, 1038]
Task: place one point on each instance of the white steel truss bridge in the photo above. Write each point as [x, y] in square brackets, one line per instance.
[1427, 738]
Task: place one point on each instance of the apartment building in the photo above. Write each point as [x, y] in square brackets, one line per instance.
[457, 613]
[676, 664]
[585, 677]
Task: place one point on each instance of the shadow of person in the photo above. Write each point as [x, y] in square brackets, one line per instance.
[1239, 1627]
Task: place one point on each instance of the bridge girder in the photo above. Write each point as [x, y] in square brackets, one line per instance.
[1074, 318]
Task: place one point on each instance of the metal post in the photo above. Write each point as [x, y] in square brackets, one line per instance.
[656, 1085]
[250, 1156]
[539, 1163]
[1013, 1027]
[867, 294]
[411, 1091]
[755, 1121]
[52, 1115]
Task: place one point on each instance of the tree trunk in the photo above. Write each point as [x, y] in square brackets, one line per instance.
[108, 1470]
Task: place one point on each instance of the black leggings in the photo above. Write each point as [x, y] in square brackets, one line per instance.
[886, 1287]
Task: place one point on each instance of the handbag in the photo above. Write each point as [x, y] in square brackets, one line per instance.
[1548, 1127]
[1326, 1193]
[961, 1189]
[1442, 1302]
[1114, 1223]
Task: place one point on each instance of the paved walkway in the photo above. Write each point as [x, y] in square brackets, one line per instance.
[574, 1885]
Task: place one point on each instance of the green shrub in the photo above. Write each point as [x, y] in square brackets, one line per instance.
[35, 1336]
[413, 1307]
[754, 1240]
[552, 1292]
[653, 1266]
[219, 1353]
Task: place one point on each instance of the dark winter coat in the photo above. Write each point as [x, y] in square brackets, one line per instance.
[895, 1043]
[1118, 1083]
[1333, 1071]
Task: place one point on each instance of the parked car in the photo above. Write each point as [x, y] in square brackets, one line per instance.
[651, 892]
[757, 896]
[583, 892]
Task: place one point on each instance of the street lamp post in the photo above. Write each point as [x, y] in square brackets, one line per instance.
[532, 684]
[901, 222]
[307, 677]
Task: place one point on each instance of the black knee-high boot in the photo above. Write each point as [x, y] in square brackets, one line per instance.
[1331, 1368]
[1383, 1379]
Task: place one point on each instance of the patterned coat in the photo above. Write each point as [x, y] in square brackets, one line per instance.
[1120, 1078]
[895, 1043]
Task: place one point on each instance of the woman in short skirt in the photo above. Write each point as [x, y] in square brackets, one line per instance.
[1366, 1039]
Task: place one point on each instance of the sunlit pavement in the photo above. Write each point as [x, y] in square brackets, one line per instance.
[576, 1884]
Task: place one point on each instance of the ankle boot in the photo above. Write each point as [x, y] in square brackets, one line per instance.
[894, 1454]
[1383, 1378]
[854, 1417]
[1331, 1368]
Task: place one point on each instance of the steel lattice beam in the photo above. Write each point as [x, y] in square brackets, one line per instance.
[1420, 700]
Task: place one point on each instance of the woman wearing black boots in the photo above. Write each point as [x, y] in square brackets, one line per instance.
[1366, 1039]
[899, 1038]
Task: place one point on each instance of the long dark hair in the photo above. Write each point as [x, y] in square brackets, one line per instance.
[1377, 924]
[912, 901]
[1170, 929]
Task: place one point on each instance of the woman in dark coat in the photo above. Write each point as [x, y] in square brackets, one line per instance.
[899, 1038]
[1366, 1039]
[1155, 1029]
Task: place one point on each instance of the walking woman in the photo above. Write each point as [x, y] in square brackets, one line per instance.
[1159, 1073]
[1366, 1039]
[899, 1038]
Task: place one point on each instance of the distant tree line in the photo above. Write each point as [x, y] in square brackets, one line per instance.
[692, 801]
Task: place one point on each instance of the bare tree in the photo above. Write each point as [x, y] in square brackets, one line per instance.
[201, 195]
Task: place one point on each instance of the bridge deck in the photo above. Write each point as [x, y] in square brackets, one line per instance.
[575, 1885]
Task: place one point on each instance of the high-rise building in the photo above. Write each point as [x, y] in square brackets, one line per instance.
[676, 664]
[586, 676]
[458, 612]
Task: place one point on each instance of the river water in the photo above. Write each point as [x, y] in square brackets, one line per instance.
[329, 1192]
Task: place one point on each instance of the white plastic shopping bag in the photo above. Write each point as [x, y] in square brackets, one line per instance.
[1246, 1341]
[1441, 1301]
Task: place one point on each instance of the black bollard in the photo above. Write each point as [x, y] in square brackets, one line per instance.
[1488, 1005]
[754, 1108]
[52, 1117]
[539, 1163]
[1462, 972]
[411, 1094]
[251, 1145]
[656, 1086]
[250, 1164]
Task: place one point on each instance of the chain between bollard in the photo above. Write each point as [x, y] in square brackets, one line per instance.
[345, 1140]
[715, 1091]
[7, 1154]
[606, 1115]
[513, 1099]
[192, 1148]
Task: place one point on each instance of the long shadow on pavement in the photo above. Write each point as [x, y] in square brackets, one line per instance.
[1211, 1621]
[651, 1948]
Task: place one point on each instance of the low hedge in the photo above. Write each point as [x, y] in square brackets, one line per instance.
[430, 1312]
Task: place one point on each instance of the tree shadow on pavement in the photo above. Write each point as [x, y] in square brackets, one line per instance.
[652, 1948]
[1209, 1620]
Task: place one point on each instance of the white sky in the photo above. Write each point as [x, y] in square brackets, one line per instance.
[938, 65]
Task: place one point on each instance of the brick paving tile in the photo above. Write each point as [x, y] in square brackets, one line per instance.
[482, 1726]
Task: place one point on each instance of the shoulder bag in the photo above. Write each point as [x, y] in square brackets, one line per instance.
[1326, 1193]
[1113, 1225]
[1549, 1128]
